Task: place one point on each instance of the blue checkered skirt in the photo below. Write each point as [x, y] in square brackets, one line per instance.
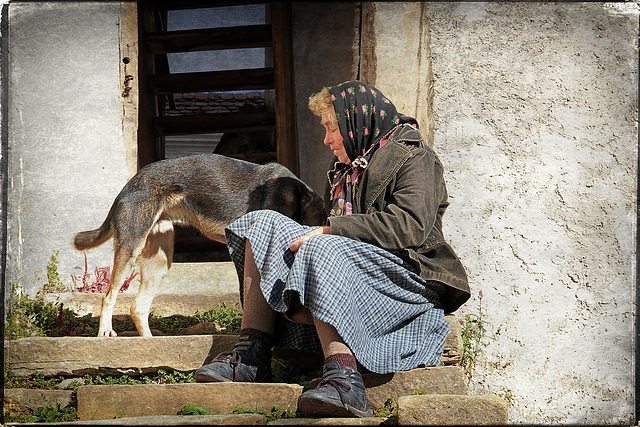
[384, 311]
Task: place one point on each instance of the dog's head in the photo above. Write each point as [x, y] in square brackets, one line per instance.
[312, 211]
[291, 197]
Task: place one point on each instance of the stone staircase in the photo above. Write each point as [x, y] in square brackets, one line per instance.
[436, 396]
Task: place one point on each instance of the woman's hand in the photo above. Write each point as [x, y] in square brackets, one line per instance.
[320, 230]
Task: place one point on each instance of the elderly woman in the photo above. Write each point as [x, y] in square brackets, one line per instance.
[373, 285]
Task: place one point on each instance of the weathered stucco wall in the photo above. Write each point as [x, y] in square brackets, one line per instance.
[535, 121]
[536, 124]
[66, 151]
[403, 59]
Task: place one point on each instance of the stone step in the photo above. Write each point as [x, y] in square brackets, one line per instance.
[158, 404]
[166, 305]
[101, 402]
[217, 420]
[448, 380]
[370, 421]
[168, 420]
[17, 400]
[162, 399]
[77, 356]
[452, 410]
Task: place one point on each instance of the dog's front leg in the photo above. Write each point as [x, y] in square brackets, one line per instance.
[142, 305]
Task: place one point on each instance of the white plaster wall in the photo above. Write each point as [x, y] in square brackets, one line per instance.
[67, 158]
[536, 124]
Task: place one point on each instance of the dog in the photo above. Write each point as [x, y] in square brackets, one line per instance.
[206, 191]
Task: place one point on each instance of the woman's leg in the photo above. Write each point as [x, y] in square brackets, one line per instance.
[341, 393]
[257, 313]
[332, 343]
[250, 359]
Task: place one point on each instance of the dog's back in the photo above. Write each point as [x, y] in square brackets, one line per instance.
[208, 191]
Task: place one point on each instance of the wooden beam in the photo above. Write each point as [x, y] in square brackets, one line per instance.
[284, 86]
[252, 79]
[210, 123]
[150, 147]
[368, 60]
[210, 39]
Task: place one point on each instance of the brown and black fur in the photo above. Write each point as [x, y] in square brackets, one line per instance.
[207, 191]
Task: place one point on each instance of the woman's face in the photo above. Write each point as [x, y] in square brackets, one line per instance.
[332, 137]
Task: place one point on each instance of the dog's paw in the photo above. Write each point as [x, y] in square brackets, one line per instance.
[109, 333]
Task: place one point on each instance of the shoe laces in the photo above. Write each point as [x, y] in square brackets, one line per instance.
[337, 384]
[234, 357]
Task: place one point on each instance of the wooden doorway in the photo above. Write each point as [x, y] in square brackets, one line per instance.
[215, 77]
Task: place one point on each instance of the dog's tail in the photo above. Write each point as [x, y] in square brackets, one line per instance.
[93, 238]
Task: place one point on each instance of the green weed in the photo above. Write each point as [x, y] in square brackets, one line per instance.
[160, 377]
[276, 413]
[51, 414]
[388, 410]
[31, 317]
[54, 414]
[54, 283]
[34, 381]
[227, 317]
[506, 394]
[474, 331]
[189, 409]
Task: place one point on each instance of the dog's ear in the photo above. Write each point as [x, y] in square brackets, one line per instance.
[312, 211]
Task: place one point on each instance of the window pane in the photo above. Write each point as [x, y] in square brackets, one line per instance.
[182, 145]
[216, 17]
[216, 60]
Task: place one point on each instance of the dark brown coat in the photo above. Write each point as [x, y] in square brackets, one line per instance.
[403, 197]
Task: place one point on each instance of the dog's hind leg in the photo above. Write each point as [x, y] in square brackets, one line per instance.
[123, 266]
[154, 262]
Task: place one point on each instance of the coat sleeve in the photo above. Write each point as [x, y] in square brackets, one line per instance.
[404, 213]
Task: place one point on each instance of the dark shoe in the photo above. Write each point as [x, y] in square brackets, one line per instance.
[249, 361]
[339, 394]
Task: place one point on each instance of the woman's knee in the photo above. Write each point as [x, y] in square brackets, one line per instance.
[324, 247]
[270, 217]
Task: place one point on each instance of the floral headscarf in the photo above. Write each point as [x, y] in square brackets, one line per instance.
[366, 119]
